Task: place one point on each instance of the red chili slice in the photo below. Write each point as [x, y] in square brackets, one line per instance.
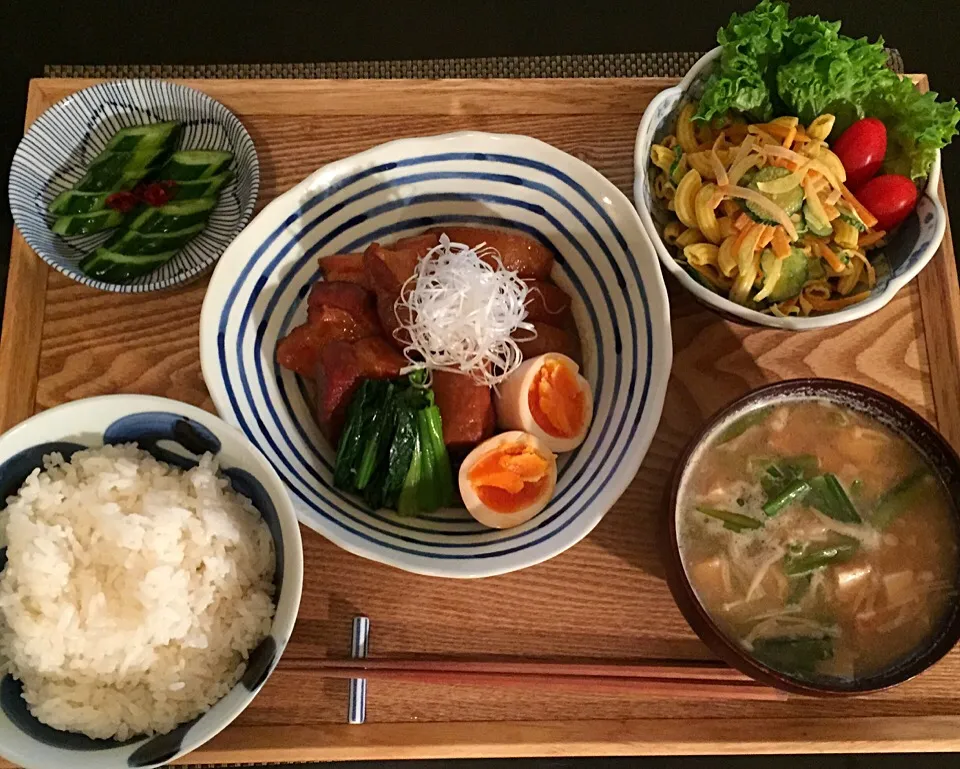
[122, 201]
[158, 193]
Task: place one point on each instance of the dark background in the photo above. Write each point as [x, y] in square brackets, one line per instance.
[38, 32]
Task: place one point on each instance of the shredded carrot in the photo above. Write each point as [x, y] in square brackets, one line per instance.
[837, 304]
[781, 246]
[742, 222]
[744, 231]
[778, 130]
[766, 237]
[788, 139]
[782, 163]
[831, 258]
[870, 238]
[865, 216]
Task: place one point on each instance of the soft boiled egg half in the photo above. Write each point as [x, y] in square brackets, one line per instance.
[508, 479]
[547, 397]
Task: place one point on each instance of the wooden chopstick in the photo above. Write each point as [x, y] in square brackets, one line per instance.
[655, 678]
[612, 669]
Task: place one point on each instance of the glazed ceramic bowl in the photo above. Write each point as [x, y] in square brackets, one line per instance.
[909, 251]
[903, 421]
[605, 261]
[175, 433]
[62, 142]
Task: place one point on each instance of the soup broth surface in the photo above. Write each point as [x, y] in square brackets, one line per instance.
[818, 539]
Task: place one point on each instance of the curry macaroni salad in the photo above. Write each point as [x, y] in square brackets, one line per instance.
[763, 216]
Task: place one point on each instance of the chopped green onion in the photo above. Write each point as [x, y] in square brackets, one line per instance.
[743, 424]
[898, 499]
[815, 557]
[794, 492]
[827, 496]
[733, 521]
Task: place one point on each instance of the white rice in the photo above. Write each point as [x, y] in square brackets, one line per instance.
[133, 591]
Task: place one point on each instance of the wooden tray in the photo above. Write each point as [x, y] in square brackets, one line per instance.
[604, 598]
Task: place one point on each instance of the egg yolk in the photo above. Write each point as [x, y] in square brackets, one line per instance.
[510, 478]
[556, 401]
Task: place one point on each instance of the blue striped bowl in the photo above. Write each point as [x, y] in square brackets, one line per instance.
[604, 259]
[63, 141]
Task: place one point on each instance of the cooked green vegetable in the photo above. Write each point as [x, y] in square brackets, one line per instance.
[409, 501]
[799, 654]
[899, 499]
[816, 556]
[798, 588]
[431, 431]
[398, 460]
[827, 496]
[794, 492]
[391, 450]
[778, 475]
[743, 424]
[376, 437]
[361, 409]
[773, 66]
[733, 521]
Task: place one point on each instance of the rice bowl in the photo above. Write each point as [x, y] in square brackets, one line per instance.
[133, 591]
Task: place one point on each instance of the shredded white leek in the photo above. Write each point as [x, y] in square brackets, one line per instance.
[460, 310]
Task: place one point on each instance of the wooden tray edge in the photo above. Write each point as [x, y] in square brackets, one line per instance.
[579, 738]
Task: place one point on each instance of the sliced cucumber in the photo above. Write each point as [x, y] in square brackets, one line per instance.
[174, 216]
[189, 165]
[87, 224]
[800, 224]
[790, 201]
[71, 202]
[848, 215]
[202, 188]
[112, 267]
[133, 243]
[793, 274]
[819, 227]
[111, 170]
[144, 137]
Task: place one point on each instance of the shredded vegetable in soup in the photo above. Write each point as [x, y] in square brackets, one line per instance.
[818, 539]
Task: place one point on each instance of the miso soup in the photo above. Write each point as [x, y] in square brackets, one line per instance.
[818, 539]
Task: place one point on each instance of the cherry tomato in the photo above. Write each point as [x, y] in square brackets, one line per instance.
[890, 198]
[861, 149]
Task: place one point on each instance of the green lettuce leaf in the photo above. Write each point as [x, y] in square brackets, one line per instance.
[772, 66]
[833, 75]
[744, 82]
[917, 124]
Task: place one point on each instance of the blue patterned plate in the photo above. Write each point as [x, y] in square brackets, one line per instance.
[175, 433]
[910, 250]
[604, 260]
[60, 144]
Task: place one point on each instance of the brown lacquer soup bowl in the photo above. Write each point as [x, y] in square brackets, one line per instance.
[859, 577]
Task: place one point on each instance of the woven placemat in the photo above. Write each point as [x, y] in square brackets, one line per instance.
[670, 64]
[586, 65]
